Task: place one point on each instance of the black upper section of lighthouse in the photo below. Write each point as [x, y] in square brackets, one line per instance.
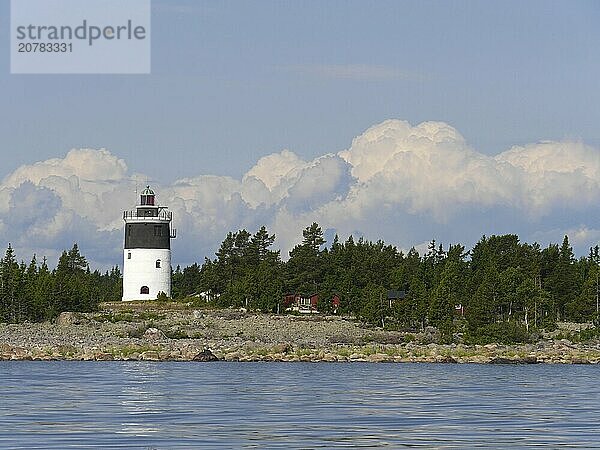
[147, 235]
[149, 225]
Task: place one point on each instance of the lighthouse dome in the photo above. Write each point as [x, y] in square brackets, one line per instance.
[147, 197]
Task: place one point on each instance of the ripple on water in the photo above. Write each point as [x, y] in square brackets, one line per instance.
[310, 405]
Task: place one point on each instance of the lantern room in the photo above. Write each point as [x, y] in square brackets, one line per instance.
[147, 197]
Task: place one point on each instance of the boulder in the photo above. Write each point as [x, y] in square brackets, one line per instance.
[233, 356]
[329, 357]
[19, 352]
[104, 357]
[577, 360]
[529, 359]
[150, 355]
[282, 348]
[174, 354]
[502, 360]
[378, 357]
[153, 334]
[523, 360]
[68, 318]
[205, 356]
[479, 359]
[445, 359]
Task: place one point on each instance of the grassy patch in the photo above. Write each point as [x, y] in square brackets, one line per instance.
[369, 350]
[384, 338]
[175, 333]
[67, 351]
[344, 351]
[303, 352]
[589, 334]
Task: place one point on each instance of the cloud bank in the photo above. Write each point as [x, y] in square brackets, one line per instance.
[401, 183]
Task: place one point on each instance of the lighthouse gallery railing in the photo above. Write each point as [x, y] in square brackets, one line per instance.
[162, 215]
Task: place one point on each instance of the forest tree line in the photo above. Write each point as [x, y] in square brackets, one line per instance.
[32, 292]
[502, 284]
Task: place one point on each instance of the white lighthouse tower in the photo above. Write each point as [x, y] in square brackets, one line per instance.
[147, 249]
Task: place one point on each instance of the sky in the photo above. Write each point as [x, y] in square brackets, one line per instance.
[401, 120]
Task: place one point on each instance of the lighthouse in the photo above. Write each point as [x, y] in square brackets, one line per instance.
[147, 249]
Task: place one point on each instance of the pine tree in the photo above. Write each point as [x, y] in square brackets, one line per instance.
[29, 291]
[447, 294]
[11, 281]
[260, 244]
[71, 287]
[561, 277]
[304, 268]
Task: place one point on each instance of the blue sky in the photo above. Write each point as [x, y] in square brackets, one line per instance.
[233, 81]
[236, 81]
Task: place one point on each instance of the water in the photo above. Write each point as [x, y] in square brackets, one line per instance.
[296, 405]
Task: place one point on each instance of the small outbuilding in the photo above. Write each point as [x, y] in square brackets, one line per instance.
[301, 303]
[394, 296]
[335, 303]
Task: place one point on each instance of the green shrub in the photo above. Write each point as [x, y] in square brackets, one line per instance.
[589, 334]
[176, 333]
[162, 297]
[409, 337]
[498, 333]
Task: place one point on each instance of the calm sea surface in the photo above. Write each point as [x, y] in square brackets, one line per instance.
[296, 405]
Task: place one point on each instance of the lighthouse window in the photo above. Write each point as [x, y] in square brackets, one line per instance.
[144, 290]
[158, 263]
[128, 255]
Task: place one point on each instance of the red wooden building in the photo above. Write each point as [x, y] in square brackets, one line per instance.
[301, 302]
[308, 303]
[335, 303]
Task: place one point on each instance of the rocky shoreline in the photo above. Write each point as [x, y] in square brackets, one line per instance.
[180, 332]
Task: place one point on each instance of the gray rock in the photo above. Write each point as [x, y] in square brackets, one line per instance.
[446, 360]
[150, 355]
[524, 360]
[205, 356]
[154, 334]
[67, 318]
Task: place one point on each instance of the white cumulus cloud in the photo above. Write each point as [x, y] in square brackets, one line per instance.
[405, 184]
